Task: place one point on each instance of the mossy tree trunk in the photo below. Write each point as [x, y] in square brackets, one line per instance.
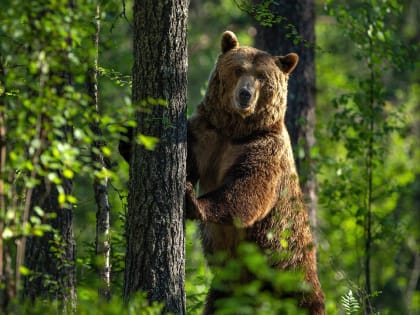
[296, 33]
[155, 221]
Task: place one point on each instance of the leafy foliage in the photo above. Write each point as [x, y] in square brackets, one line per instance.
[269, 290]
[46, 119]
[89, 304]
[359, 188]
[350, 304]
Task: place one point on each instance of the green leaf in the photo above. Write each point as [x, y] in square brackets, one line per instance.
[54, 178]
[68, 173]
[284, 243]
[7, 233]
[350, 303]
[71, 199]
[106, 151]
[148, 142]
[61, 198]
[39, 211]
[35, 220]
[24, 271]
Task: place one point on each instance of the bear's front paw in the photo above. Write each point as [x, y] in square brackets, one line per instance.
[193, 207]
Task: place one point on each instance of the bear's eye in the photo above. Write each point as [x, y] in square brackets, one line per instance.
[239, 72]
[261, 77]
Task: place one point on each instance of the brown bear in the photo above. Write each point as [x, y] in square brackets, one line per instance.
[239, 152]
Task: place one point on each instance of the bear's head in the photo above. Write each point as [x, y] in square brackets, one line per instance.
[248, 87]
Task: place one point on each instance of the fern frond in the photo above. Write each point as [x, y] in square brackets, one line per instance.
[350, 304]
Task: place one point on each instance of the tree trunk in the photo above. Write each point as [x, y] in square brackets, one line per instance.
[281, 39]
[155, 220]
[51, 259]
[100, 187]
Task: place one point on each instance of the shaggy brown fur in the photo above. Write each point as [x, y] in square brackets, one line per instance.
[240, 153]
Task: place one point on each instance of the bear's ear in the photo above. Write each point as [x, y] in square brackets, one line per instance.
[229, 41]
[287, 63]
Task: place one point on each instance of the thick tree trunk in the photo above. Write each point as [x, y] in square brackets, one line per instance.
[155, 221]
[281, 39]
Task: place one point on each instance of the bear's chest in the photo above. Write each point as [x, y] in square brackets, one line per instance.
[215, 155]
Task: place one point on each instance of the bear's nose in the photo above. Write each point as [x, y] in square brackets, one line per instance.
[244, 97]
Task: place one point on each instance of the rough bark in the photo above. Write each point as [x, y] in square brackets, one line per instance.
[155, 221]
[300, 116]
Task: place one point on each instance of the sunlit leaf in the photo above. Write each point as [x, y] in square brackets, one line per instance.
[68, 173]
[24, 271]
[106, 151]
[61, 198]
[7, 233]
[71, 199]
[148, 142]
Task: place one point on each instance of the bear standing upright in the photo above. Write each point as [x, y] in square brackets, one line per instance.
[240, 153]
